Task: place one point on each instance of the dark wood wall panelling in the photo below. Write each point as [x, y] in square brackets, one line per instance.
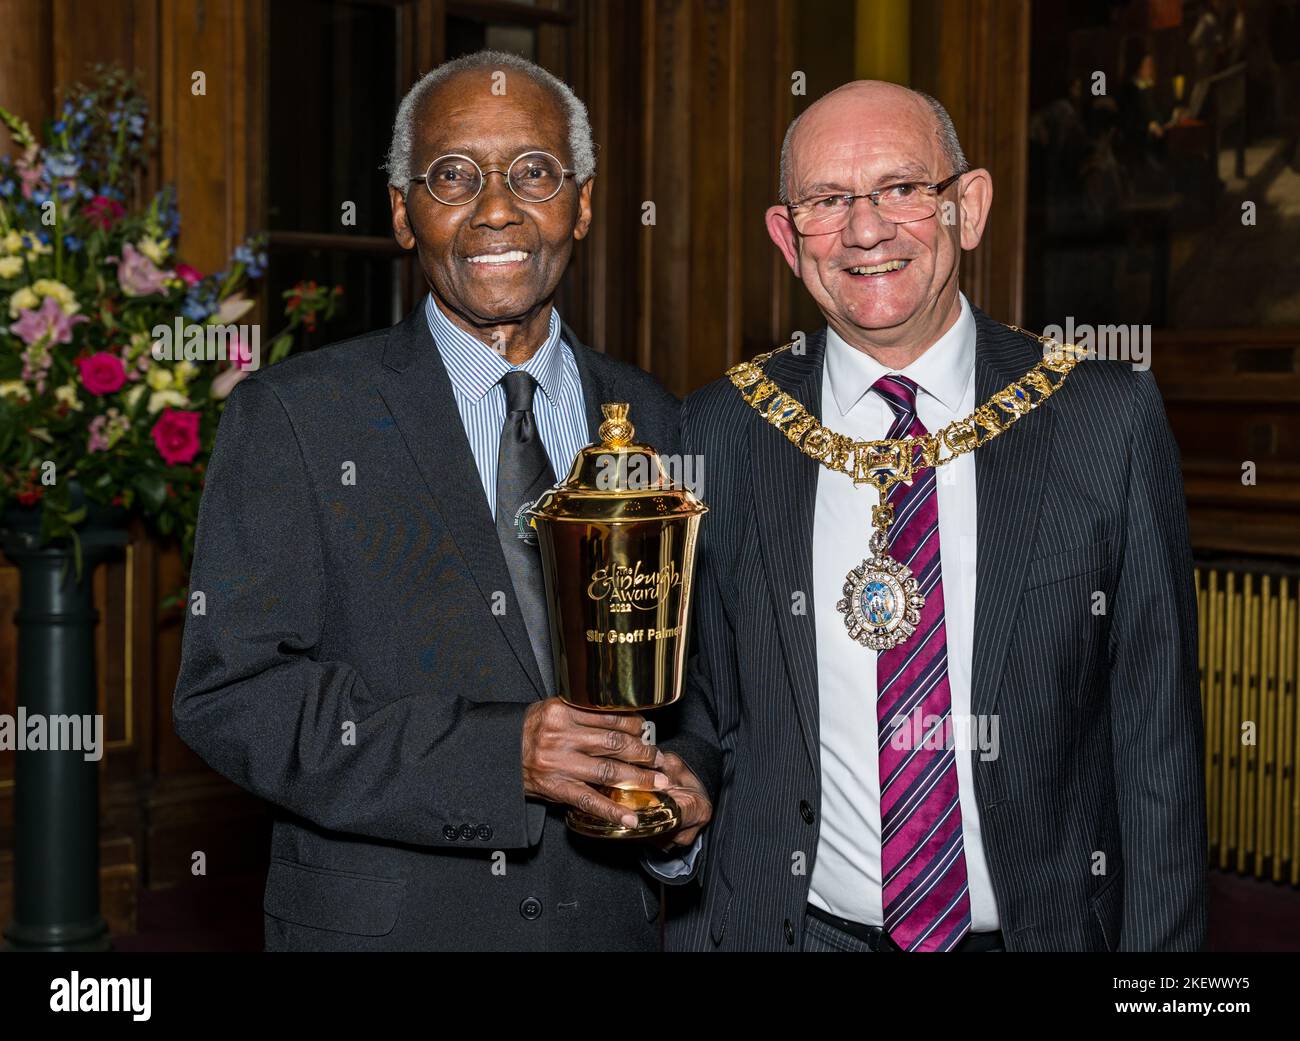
[689, 101]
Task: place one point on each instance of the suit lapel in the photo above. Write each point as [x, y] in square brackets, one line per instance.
[784, 483]
[417, 390]
[1009, 476]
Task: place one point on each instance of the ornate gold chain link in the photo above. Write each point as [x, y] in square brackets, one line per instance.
[885, 463]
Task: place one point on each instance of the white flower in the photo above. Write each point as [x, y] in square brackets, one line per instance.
[161, 399]
[23, 299]
[16, 389]
[154, 250]
[65, 297]
[159, 378]
[10, 266]
[232, 309]
[68, 394]
[225, 382]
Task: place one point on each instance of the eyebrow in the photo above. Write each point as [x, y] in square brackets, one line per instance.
[476, 154]
[909, 172]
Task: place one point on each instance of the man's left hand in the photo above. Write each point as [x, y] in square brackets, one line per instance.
[691, 799]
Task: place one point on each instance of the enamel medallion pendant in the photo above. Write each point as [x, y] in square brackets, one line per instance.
[882, 603]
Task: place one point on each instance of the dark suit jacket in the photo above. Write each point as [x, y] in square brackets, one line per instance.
[350, 668]
[1101, 735]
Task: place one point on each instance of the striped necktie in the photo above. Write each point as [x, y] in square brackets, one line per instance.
[925, 890]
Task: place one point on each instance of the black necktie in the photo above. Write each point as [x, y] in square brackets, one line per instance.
[523, 473]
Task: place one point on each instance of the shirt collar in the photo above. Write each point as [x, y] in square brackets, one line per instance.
[943, 371]
[475, 368]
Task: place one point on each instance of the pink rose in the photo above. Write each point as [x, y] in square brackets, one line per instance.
[188, 275]
[137, 274]
[177, 436]
[102, 373]
[103, 211]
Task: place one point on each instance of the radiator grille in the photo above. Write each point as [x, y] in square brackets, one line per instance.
[1248, 638]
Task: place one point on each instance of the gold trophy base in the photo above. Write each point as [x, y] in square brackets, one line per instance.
[655, 812]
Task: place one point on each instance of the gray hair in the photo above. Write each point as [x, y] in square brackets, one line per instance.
[582, 151]
[947, 140]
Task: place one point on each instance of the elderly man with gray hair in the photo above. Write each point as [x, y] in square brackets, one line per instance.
[375, 657]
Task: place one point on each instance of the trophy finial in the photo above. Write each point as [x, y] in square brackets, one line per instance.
[616, 431]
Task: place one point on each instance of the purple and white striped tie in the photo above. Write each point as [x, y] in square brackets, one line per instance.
[925, 889]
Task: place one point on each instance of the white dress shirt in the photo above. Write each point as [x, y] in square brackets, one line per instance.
[846, 877]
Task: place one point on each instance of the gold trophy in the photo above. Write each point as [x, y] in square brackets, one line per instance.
[617, 539]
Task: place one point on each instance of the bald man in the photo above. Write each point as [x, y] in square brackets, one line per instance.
[954, 675]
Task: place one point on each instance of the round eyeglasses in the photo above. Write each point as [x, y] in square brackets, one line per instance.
[455, 179]
[897, 203]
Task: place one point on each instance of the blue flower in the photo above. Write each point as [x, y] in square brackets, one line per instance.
[59, 126]
[72, 243]
[6, 188]
[254, 262]
[200, 301]
[61, 165]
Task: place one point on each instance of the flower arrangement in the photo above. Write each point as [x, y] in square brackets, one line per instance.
[92, 294]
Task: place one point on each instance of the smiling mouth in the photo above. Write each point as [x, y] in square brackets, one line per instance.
[879, 269]
[513, 256]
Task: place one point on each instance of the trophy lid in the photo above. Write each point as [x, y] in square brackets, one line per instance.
[617, 479]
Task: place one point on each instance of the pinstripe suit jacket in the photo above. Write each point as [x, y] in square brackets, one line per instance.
[373, 606]
[1093, 813]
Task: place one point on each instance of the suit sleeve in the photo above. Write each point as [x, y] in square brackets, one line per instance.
[1157, 730]
[261, 704]
[688, 727]
[695, 731]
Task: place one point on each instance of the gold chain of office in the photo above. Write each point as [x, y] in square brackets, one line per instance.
[882, 601]
[885, 463]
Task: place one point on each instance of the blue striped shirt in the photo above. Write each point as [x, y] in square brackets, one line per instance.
[476, 370]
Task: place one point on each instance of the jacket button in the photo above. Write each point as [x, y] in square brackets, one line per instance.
[531, 908]
[789, 933]
[450, 833]
[467, 831]
[805, 811]
[485, 831]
